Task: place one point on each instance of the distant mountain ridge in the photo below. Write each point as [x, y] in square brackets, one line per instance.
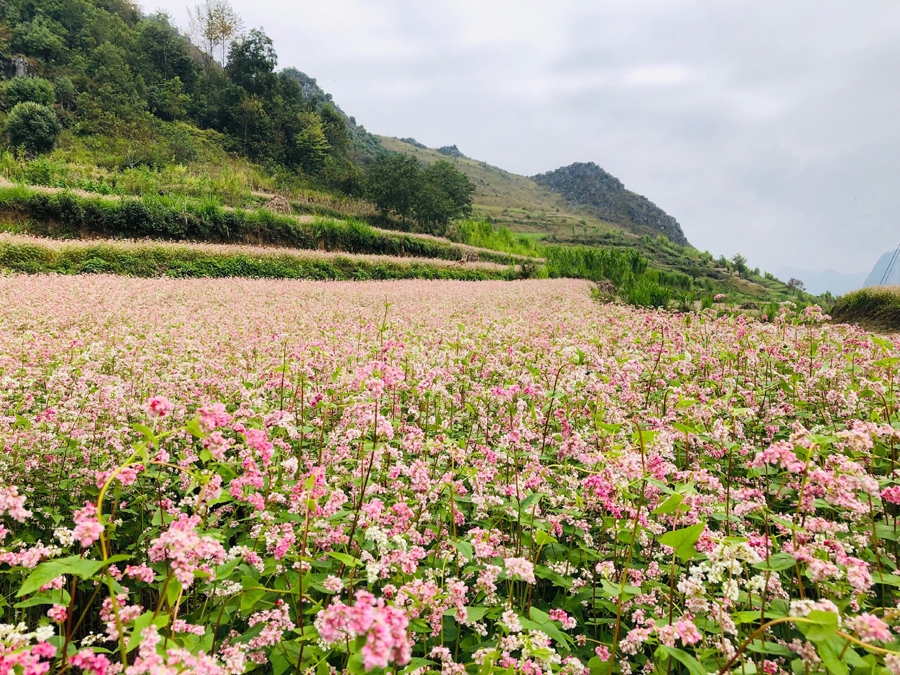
[877, 274]
[587, 185]
[818, 282]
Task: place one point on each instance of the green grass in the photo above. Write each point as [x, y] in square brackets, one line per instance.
[148, 259]
[484, 235]
[874, 308]
[70, 215]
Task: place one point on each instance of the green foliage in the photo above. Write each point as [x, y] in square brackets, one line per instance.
[41, 37]
[32, 126]
[65, 91]
[118, 73]
[596, 264]
[740, 264]
[630, 272]
[312, 144]
[392, 183]
[141, 260]
[251, 64]
[34, 89]
[445, 194]
[874, 308]
[434, 196]
[483, 234]
[70, 216]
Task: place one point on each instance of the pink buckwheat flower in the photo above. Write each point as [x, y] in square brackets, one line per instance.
[383, 626]
[869, 628]
[90, 663]
[521, 568]
[13, 504]
[140, 573]
[58, 613]
[87, 527]
[185, 549]
[158, 406]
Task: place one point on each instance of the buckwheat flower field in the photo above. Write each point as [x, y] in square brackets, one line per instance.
[223, 476]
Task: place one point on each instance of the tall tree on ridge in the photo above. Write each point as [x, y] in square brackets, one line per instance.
[215, 24]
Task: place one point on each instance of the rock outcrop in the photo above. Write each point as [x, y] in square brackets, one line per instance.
[604, 195]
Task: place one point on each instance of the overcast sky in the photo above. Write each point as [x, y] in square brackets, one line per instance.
[766, 127]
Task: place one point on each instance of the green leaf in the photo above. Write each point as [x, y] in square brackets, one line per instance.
[769, 647]
[688, 661]
[683, 540]
[141, 623]
[542, 538]
[539, 615]
[46, 598]
[224, 571]
[194, 429]
[549, 628]
[417, 662]
[831, 658]
[820, 625]
[615, 591]
[777, 562]
[348, 560]
[173, 589]
[669, 506]
[596, 666]
[147, 433]
[355, 664]
[465, 548]
[48, 571]
[887, 579]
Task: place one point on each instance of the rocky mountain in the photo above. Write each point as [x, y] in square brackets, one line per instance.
[584, 184]
[877, 275]
[451, 151]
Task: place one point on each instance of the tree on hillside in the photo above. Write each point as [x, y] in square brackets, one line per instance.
[335, 128]
[445, 195]
[214, 25]
[311, 144]
[432, 197]
[32, 126]
[251, 64]
[35, 89]
[740, 264]
[393, 182]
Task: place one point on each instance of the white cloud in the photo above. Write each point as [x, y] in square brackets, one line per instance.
[660, 75]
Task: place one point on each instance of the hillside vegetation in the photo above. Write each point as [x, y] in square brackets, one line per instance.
[118, 125]
[143, 258]
[876, 308]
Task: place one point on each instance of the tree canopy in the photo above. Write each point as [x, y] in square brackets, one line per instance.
[432, 197]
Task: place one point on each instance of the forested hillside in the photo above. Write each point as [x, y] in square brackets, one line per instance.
[136, 85]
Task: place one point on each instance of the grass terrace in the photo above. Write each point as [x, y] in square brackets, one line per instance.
[35, 255]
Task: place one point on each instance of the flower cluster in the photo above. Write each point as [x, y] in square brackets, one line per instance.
[381, 627]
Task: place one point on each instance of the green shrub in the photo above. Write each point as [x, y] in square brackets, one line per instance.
[32, 126]
[34, 89]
